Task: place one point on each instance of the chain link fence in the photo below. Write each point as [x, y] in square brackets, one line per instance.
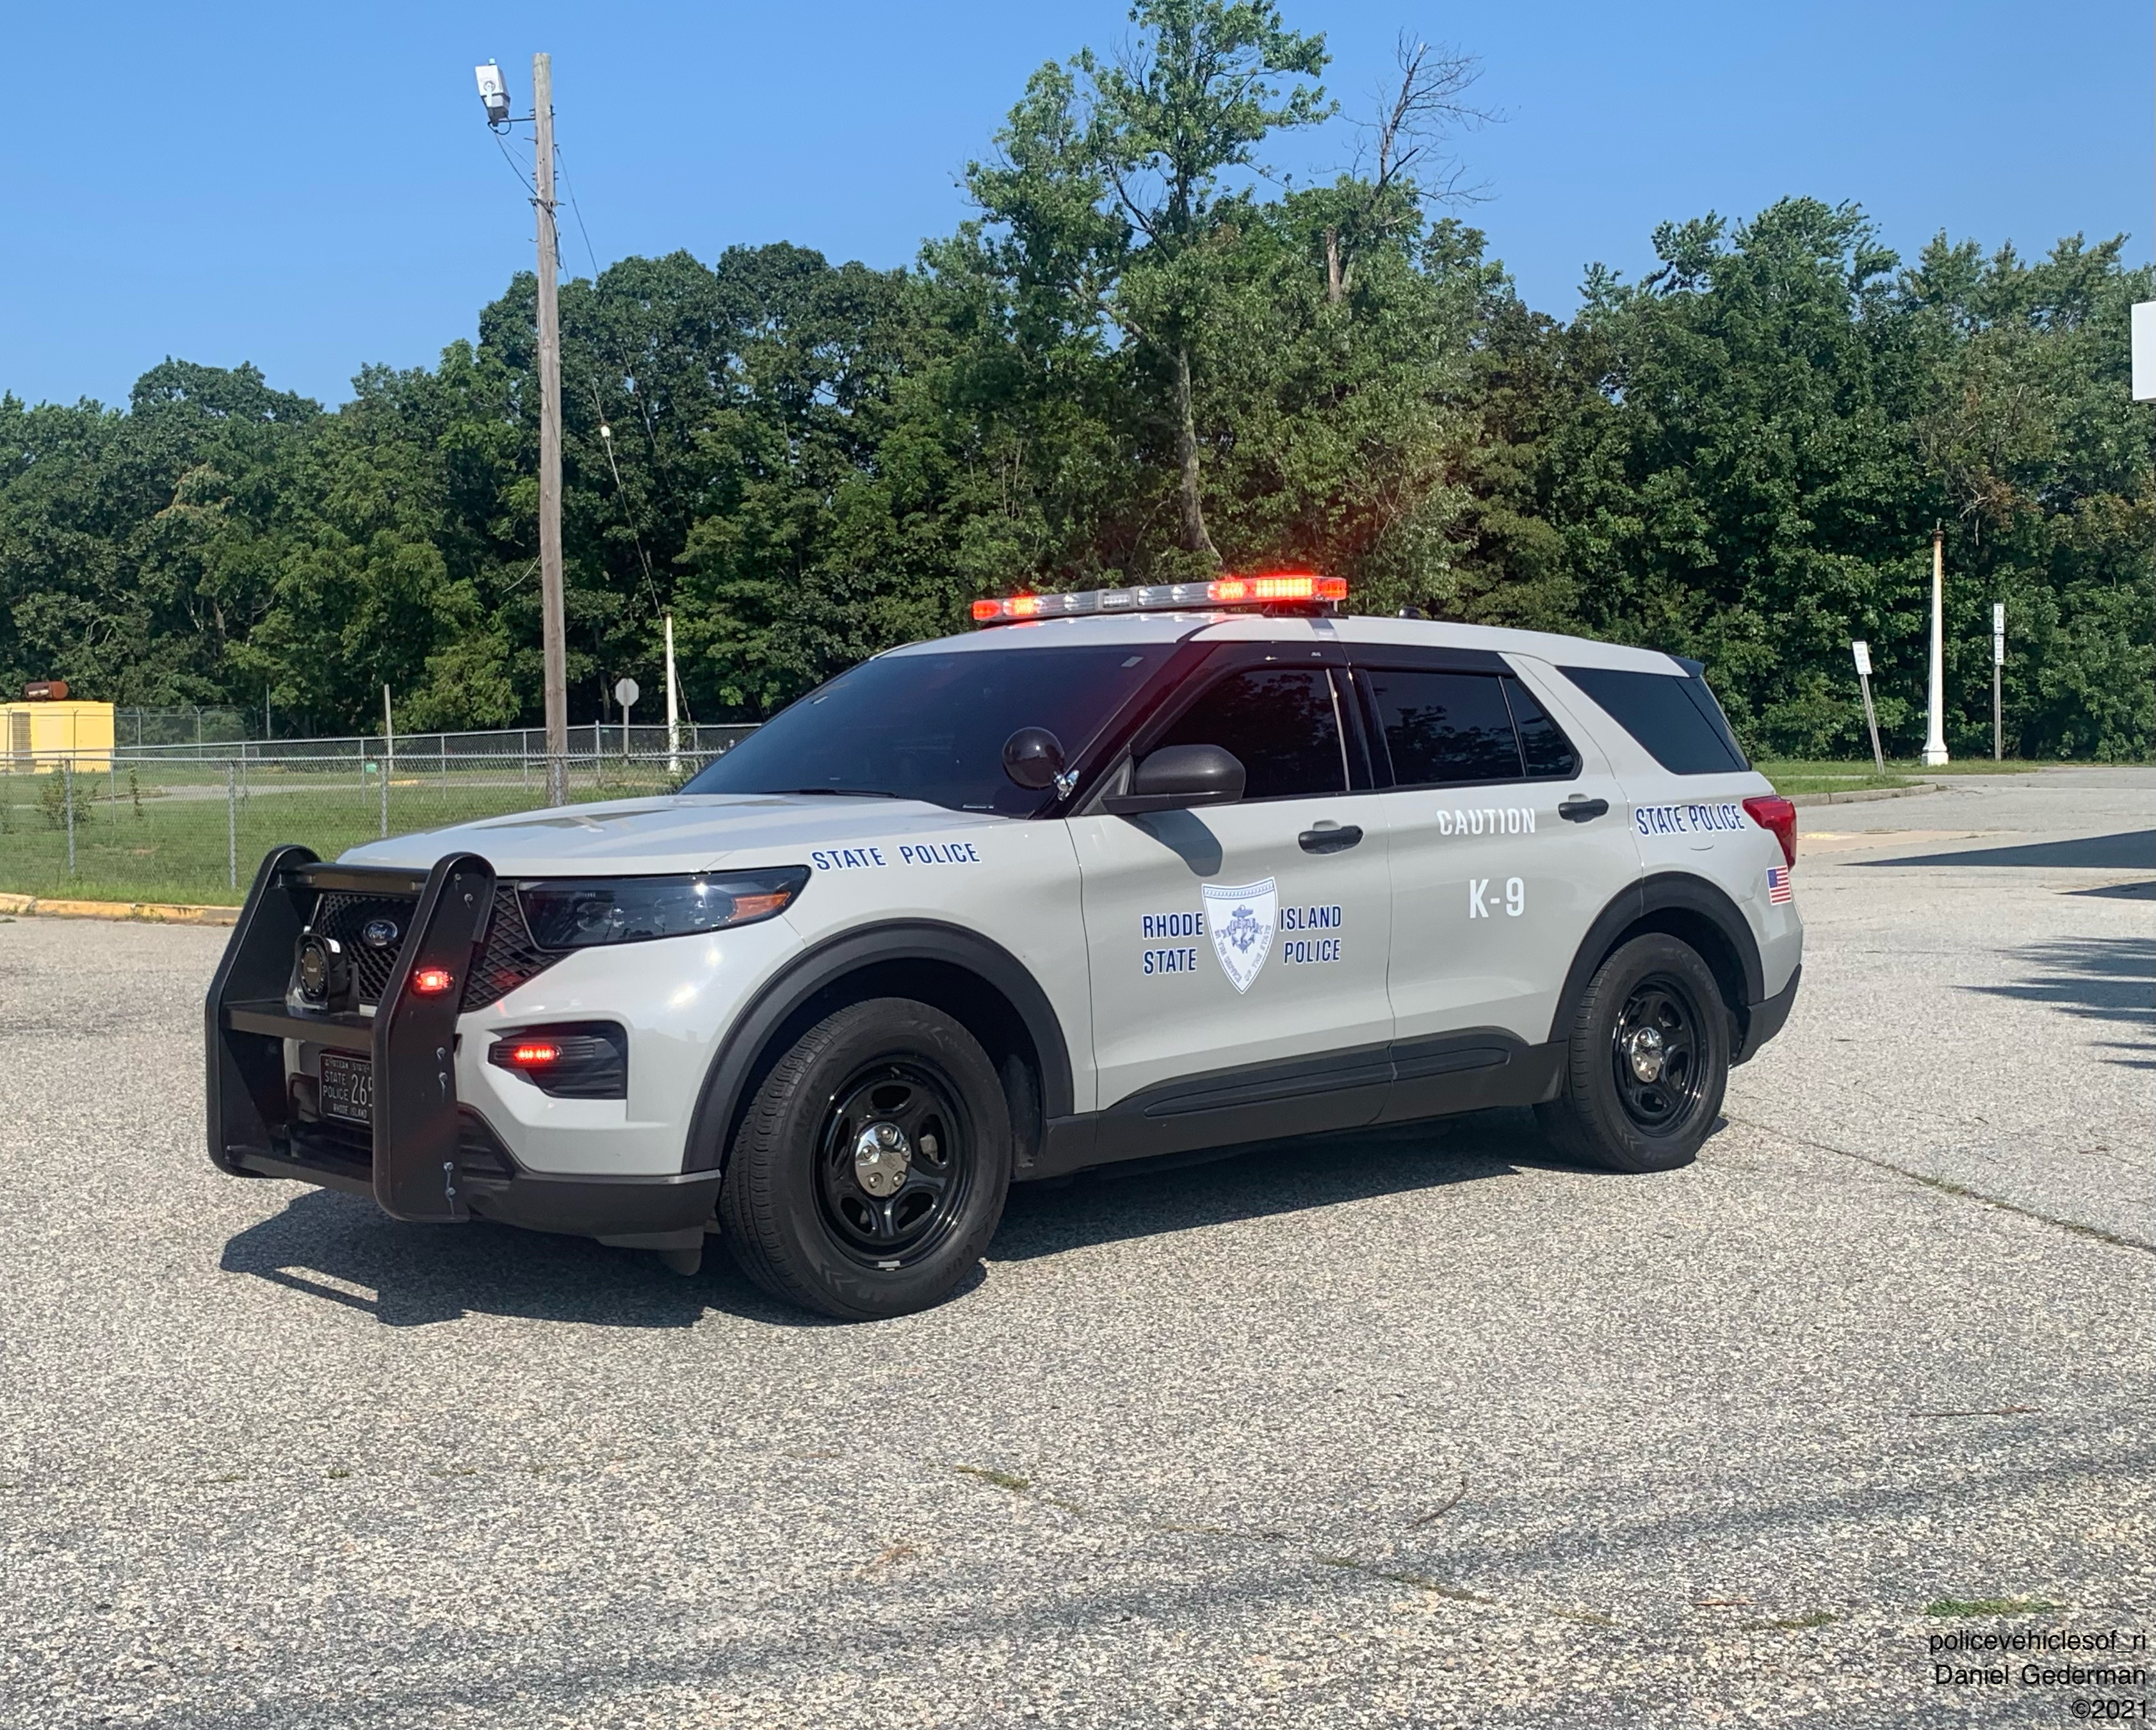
[189, 825]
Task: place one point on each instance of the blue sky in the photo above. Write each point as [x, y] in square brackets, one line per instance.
[311, 187]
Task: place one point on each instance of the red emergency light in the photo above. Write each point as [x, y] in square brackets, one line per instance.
[1274, 587]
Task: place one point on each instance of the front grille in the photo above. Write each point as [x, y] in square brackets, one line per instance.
[508, 957]
[345, 917]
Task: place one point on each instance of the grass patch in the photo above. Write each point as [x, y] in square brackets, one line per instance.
[1804, 775]
[1989, 1606]
[1812, 774]
[181, 841]
[1001, 1480]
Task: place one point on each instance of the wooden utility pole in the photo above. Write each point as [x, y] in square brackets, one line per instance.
[550, 436]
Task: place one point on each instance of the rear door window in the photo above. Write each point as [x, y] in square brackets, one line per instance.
[1446, 729]
[1281, 724]
[1543, 747]
[1673, 715]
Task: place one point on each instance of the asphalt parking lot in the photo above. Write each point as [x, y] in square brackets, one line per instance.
[1418, 1428]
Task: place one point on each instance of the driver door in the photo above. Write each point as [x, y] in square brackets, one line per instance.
[1238, 952]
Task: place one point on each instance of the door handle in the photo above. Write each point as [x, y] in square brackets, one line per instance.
[1576, 809]
[1330, 837]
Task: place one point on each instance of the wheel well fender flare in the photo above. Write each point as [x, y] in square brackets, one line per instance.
[818, 977]
[1685, 906]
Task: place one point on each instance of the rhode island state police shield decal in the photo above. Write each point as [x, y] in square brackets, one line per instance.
[1241, 918]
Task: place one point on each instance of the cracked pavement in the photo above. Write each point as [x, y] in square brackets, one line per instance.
[1417, 1427]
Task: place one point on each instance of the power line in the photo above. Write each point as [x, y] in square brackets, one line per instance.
[576, 210]
[522, 179]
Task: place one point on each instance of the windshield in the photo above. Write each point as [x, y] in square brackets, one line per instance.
[932, 726]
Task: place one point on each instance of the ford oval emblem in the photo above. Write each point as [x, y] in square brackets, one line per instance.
[379, 933]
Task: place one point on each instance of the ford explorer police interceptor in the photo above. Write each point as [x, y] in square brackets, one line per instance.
[1133, 872]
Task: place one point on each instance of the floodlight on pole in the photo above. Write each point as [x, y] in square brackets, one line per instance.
[493, 92]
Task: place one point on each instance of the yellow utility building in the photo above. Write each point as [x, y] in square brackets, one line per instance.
[39, 736]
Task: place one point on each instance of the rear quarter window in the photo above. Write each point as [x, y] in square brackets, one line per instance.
[1673, 715]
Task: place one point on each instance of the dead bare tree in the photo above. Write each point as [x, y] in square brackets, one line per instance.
[1406, 144]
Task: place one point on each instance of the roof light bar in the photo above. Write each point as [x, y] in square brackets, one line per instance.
[1279, 586]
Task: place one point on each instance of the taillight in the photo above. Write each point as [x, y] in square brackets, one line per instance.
[1778, 817]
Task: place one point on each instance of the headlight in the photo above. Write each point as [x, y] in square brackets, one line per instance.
[575, 913]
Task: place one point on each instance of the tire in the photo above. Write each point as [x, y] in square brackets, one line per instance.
[1646, 1061]
[889, 1092]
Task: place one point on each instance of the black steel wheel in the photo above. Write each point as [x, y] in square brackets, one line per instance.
[894, 1161]
[1655, 1054]
[1646, 1060]
[869, 1169]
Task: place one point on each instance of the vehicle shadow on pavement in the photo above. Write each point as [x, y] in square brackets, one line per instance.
[343, 1251]
[2128, 852]
[2096, 978]
[1145, 1198]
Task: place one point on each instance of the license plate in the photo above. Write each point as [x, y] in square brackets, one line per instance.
[348, 1087]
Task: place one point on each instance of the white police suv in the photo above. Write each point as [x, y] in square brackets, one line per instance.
[1133, 872]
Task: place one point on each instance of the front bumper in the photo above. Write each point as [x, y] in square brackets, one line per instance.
[427, 1155]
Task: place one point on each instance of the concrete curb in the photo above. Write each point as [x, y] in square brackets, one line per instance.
[1864, 795]
[151, 912]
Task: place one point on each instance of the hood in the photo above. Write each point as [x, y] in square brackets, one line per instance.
[662, 837]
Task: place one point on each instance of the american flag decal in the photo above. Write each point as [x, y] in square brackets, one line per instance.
[1777, 885]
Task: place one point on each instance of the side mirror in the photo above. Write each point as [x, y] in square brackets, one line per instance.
[1177, 776]
[1033, 757]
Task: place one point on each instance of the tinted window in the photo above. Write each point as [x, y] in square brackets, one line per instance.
[1446, 726]
[932, 726]
[1543, 747]
[1282, 727]
[1673, 715]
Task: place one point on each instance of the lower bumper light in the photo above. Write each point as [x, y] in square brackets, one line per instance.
[577, 1059]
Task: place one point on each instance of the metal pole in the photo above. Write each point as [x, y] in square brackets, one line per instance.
[231, 825]
[673, 707]
[555, 656]
[1871, 721]
[1998, 663]
[67, 798]
[1935, 737]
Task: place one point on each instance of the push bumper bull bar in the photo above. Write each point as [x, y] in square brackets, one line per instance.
[420, 1163]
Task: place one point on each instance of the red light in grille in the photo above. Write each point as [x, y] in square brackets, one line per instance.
[432, 982]
[535, 1055]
